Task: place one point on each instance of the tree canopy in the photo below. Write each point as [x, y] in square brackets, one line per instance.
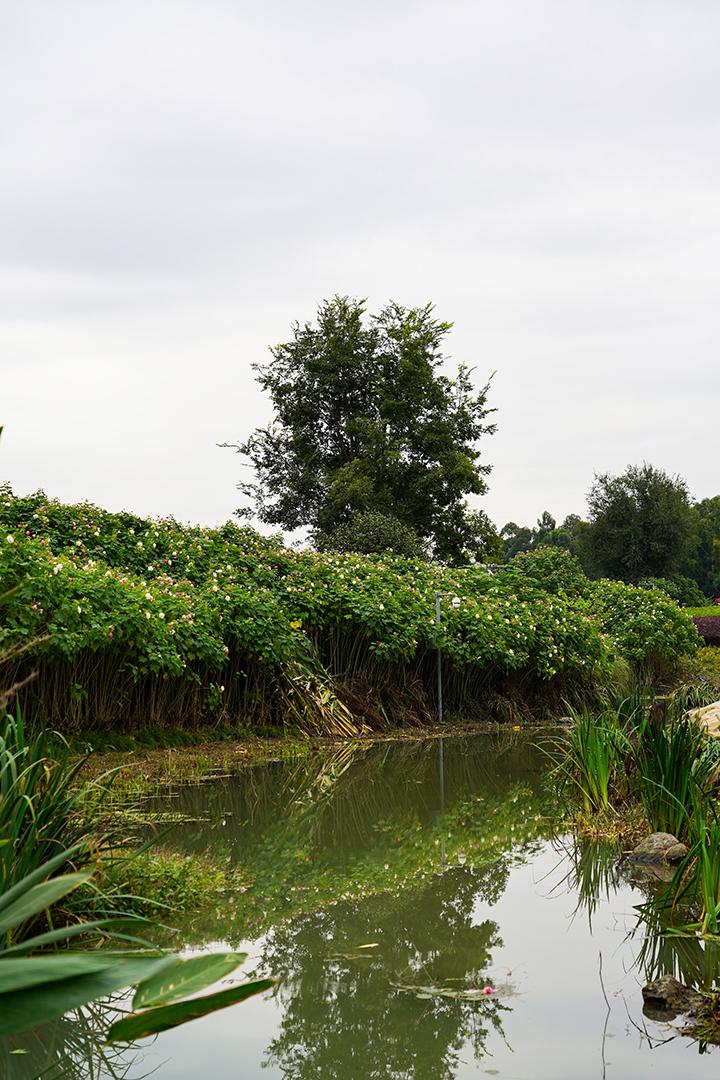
[366, 422]
[640, 524]
[370, 533]
[703, 566]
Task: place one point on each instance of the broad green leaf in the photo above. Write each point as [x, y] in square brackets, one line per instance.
[24, 1009]
[139, 1025]
[40, 897]
[189, 977]
[16, 974]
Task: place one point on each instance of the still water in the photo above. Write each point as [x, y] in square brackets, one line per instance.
[387, 887]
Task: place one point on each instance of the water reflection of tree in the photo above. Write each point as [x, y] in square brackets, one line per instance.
[342, 1015]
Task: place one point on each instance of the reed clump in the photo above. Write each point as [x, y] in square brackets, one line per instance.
[640, 752]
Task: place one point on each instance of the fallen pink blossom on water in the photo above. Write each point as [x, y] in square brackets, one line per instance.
[489, 990]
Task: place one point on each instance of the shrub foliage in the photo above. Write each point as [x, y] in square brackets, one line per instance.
[147, 622]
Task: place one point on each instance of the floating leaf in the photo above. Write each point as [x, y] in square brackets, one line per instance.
[471, 993]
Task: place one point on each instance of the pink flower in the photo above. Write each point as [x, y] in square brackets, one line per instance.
[489, 990]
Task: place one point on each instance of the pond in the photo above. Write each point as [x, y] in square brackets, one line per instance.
[425, 921]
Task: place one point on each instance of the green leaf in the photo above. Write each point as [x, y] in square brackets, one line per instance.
[139, 1025]
[24, 1009]
[16, 974]
[41, 940]
[189, 977]
[39, 875]
[40, 897]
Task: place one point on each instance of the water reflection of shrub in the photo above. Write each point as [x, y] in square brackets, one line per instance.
[365, 821]
[596, 872]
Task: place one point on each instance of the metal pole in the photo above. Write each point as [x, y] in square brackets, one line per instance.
[442, 800]
[440, 720]
[439, 659]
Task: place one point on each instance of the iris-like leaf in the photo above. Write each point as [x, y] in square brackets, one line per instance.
[23, 887]
[39, 897]
[64, 932]
[139, 1025]
[188, 977]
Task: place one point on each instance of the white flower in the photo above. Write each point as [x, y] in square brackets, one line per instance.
[11, 539]
[148, 596]
[147, 615]
[227, 597]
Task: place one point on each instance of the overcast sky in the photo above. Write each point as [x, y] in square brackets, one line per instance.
[180, 180]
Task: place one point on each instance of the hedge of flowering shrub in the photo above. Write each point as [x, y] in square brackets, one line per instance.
[642, 623]
[152, 617]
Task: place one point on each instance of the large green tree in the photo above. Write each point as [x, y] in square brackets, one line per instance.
[640, 524]
[365, 421]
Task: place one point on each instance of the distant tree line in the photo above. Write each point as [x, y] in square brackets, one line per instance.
[642, 527]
